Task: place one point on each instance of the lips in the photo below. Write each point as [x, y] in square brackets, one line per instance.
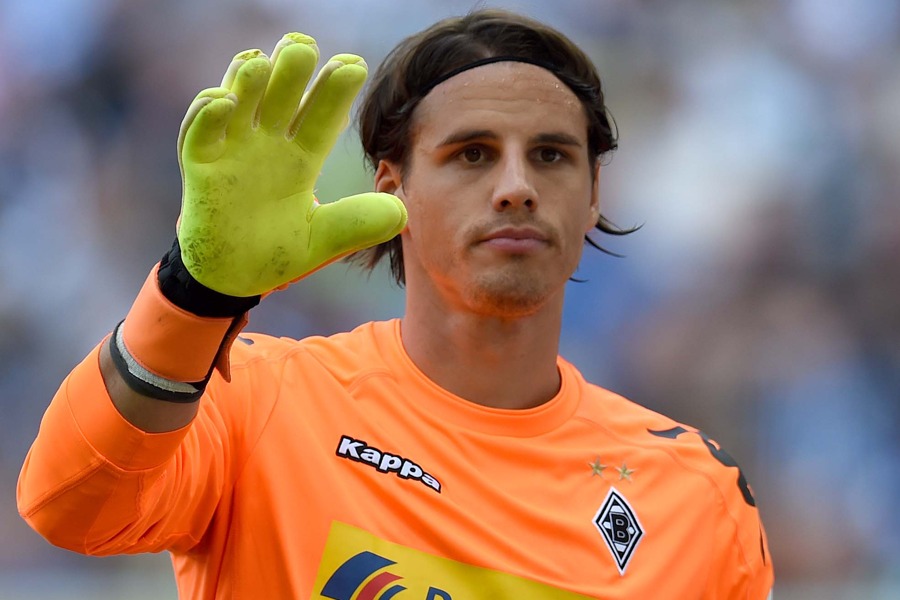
[516, 233]
[515, 240]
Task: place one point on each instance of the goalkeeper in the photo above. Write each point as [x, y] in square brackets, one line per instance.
[447, 454]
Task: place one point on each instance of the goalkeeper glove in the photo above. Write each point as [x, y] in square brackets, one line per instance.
[250, 151]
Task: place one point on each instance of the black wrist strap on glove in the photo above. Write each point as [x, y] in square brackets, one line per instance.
[181, 289]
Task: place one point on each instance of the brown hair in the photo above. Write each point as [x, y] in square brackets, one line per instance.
[412, 68]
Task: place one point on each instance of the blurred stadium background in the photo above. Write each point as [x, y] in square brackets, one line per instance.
[760, 302]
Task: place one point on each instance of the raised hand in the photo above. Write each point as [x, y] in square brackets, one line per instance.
[250, 152]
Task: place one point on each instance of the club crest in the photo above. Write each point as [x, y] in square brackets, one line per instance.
[620, 528]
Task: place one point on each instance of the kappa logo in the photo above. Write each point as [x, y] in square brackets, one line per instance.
[385, 462]
[620, 528]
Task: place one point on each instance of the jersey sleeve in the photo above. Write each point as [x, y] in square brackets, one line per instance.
[95, 484]
[743, 565]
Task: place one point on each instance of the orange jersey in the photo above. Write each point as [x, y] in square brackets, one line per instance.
[332, 468]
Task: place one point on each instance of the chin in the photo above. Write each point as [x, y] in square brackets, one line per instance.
[509, 296]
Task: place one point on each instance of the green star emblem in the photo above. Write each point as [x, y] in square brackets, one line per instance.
[624, 472]
[597, 467]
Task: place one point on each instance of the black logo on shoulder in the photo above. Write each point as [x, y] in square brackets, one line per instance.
[385, 462]
[717, 452]
[620, 528]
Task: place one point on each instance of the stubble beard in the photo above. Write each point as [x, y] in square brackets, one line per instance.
[509, 293]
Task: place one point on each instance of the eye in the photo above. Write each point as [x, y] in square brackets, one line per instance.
[550, 155]
[472, 155]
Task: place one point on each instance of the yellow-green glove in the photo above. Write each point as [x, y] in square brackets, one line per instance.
[250, 152]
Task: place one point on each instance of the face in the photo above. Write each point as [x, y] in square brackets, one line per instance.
[499, 190]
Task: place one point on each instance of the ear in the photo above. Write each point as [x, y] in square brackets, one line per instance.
[387, 178]
[595, 200]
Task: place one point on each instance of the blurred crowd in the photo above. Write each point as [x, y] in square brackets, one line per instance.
[759, 301]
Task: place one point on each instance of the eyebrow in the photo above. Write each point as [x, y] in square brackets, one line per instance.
[468, 135]
[562, 139]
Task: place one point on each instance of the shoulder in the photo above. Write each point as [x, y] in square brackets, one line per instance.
[342, 353]
[635, 425]
[654, 434]
[628, 422]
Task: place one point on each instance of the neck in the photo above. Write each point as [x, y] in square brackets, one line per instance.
[499, 362]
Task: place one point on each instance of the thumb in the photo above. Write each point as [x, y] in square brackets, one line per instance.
[354, 223]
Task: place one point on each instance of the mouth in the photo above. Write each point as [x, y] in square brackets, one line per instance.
[515, 239]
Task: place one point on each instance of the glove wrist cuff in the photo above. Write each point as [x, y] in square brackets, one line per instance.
[174, 344]
[181, 289]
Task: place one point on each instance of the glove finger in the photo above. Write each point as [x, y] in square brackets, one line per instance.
[239, 59]
[202, 134]
[354, 223]
[324, 110]
[294, 61]
[249, 85]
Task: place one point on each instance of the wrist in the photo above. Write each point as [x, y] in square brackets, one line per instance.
[169, 341]
[177, 333]
[180, 288]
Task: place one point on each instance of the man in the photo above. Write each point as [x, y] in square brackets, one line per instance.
[447, 454]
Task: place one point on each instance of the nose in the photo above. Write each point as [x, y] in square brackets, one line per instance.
[514, 187]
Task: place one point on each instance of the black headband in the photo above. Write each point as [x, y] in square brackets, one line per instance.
[494, 59]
